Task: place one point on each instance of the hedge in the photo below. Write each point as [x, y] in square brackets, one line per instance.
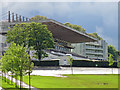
[76, 63]
[46, 63]
[85, 63]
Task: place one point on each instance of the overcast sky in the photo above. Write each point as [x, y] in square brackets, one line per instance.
[100, 17]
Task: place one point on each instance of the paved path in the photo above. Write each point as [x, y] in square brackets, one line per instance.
[24, 85]
[76, 70]
[1, 88]
[1, 83]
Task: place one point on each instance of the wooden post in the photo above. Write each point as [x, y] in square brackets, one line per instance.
[20, 18]
[16, 18]
[23, 18]
[8, 16]
[12, 17]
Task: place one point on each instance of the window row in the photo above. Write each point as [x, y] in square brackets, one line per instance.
[61, 48]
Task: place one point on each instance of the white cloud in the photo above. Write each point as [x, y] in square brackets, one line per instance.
[107, 12]
[61, 1]
[99, 30]
[109, 39]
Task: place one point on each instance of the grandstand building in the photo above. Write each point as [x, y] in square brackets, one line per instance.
[93, 50]
[63, 36]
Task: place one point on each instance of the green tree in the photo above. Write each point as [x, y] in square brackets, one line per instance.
[111, 61]
[40, 39]
[112, 50]
[118, 59]
[32, 35]
[35, 35]
[76, 27]
[20, 60]
[19, 34]
[6, 61]
[38, 17]
[3, 65]
[70, 60]
[95, 35]
[6, 65]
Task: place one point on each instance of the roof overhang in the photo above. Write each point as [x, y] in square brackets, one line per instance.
[62, 32]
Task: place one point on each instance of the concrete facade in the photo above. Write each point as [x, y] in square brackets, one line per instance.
[93, 50]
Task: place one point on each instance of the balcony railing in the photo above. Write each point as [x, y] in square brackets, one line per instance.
[93, 43]
[93, 57]
[93, 48]
[96, 53]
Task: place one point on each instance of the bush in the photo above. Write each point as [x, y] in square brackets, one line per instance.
[46, 63]
[86, 63]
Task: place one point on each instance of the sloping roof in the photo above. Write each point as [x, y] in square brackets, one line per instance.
[62, 32]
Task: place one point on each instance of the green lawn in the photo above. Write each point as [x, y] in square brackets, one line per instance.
[74, 81]
[8, 86]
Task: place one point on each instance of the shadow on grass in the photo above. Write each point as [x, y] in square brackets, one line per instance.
[7, 83]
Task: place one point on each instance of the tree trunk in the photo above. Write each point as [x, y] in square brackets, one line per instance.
[5, 77]
[39, 57]
[2, 75]
[12, 78]
[8, 78]
[20, 79]
[112, 70]
[29, 70]
[29, 81]
[71, 69]
[16, 80]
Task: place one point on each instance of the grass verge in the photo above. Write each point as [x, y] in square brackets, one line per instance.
[8, 86]
[74, 81]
